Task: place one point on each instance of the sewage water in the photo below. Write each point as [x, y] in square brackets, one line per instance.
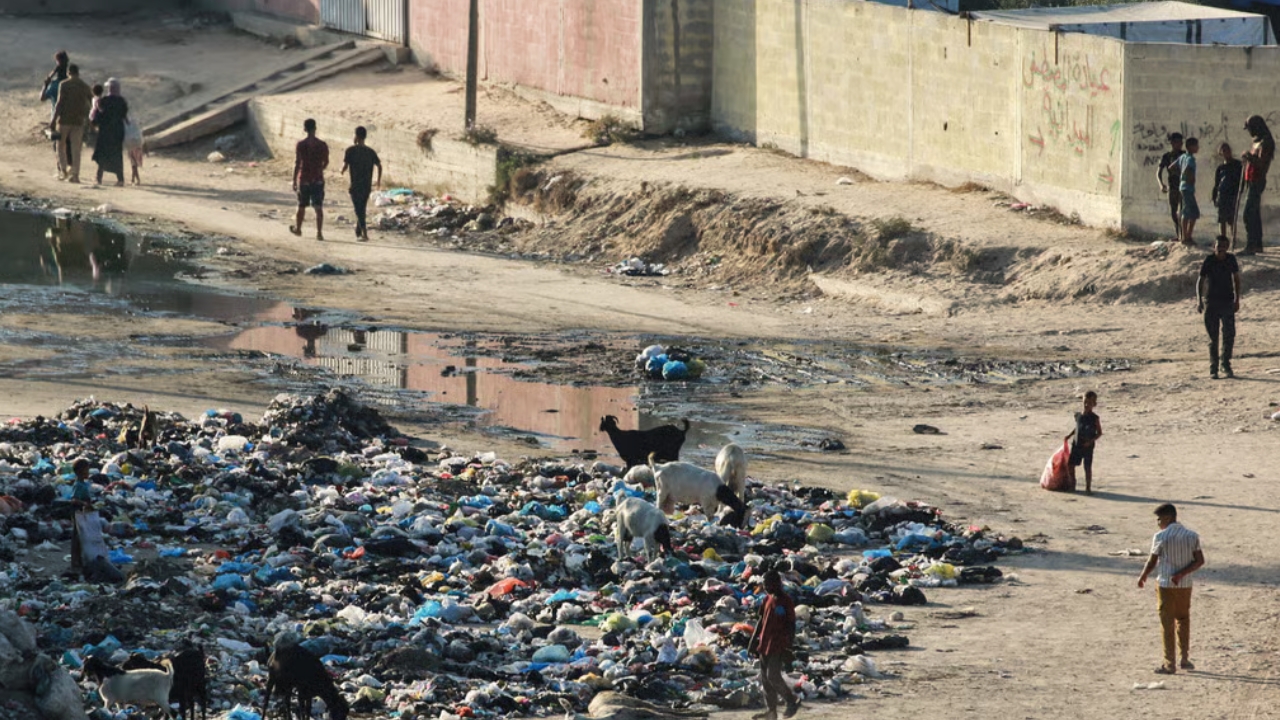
[52, 263]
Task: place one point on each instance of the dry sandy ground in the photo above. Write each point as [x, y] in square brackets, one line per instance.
[1068, 639]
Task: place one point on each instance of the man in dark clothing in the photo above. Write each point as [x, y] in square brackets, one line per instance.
[1226, 190]
[1218, 297]
[311, 157]
[1169, 162]
[70, 114]
[1257, 161]
[772, 641]
[361, 160]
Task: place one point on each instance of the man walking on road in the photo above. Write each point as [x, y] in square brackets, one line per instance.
[70, 113]
[1218, 297]
[1175, 554]
[311, 157]
[361, 160]
[1257, 161]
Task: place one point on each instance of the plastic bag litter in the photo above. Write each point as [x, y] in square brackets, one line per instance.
[862, 665]
[695, 634]
[240, 712]
[617, 621]
[881, 504]
[941, 570]
[861, 498]
[551, 654]
[1057, 471]
[820, 533]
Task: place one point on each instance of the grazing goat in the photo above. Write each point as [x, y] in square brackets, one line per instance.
[635, 446]
[638, 518]
[190, 681]
[687, 484]
[139, 687]
[731, 466]
[99, 670]
[293, 667]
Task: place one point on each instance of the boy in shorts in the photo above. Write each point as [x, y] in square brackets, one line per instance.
[1088, 430]
[1169, 164]
[311, 157]
[1187, 188]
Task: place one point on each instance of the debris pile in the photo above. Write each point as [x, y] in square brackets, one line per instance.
[442, 585]
[405, 210]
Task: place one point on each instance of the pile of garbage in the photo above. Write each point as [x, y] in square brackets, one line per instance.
[658, 363]
[403, 209]
[444, 585]
[635, 267]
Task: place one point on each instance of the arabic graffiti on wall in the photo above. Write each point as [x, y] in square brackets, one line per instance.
[1071, 118]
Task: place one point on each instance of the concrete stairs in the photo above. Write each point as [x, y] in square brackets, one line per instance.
[204, 114]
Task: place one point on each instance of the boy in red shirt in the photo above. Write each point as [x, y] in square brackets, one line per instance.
[772, 641]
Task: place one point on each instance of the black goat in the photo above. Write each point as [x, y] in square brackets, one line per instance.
[190, 679]
[635, 446]
[293, 667]
[99, 669]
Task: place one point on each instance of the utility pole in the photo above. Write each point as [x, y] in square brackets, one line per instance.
[473, 61]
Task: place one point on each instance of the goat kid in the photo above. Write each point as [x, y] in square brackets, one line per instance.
[682, 483]
[635, 446]
[190, 680]
[140, 688]
[638, 518]
[731, 466]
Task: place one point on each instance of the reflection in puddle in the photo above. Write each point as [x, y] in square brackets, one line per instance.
[451, 369]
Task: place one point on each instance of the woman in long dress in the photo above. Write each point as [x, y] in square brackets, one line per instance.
[108, 152]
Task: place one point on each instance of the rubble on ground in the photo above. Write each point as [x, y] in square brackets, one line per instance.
[442, 585]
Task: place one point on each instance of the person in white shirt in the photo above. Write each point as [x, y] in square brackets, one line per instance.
[1175, 554]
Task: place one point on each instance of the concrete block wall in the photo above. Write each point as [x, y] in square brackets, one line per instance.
[304, 11]
[581, 56]
[1205, 92]
[677, 66]
[908, 94]
[451, 166]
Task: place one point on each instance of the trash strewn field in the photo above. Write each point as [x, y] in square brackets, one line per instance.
[445, 584]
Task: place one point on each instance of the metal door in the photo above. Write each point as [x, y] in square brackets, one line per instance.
[384, 19]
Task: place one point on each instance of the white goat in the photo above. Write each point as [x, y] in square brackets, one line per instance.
[731, 466]
[639, 518]
[139, 687]
[682, 483]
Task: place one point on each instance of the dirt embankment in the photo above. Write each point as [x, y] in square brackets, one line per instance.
[707, 237]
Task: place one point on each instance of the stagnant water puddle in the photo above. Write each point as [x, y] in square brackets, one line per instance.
[551, 390]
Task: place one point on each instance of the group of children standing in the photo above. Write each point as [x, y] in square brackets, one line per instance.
[1179, 164]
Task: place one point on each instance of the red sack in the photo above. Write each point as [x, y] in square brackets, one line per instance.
[1057, 472]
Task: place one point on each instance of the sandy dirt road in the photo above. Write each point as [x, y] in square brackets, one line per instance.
[1067, 639]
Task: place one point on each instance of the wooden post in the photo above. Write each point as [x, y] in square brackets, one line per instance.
[473, 61]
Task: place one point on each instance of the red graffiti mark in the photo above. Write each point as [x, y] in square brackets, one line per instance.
[1080, 139]
[1037, 140]
[1045, 71]
[1107, 178]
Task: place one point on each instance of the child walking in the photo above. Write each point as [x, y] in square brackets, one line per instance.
[1088, 430]
[771, 642]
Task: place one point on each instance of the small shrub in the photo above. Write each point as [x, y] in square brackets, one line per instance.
[480, 135]
[889, 229]
[610, 129]
[425, 137]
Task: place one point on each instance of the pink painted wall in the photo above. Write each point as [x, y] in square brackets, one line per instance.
[587, 49]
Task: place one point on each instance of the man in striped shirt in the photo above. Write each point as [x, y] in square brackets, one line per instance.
[1175, 554]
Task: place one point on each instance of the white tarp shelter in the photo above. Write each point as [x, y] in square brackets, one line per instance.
[1149, 22]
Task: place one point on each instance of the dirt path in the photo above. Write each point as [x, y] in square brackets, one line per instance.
[1067, 639]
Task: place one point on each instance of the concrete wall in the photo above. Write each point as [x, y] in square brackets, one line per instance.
[452, 166]
[1205, 92]
[306, 11]
[80, 7]
[904, 94]
[678, 37]
[582, 56]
